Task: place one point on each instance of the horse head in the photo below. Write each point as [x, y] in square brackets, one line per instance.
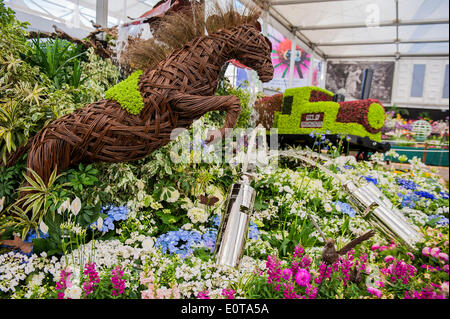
[253, 49]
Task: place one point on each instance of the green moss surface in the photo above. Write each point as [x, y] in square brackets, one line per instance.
[127, 94]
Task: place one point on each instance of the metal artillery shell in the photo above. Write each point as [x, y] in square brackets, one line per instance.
[386, 218]
[234, 225]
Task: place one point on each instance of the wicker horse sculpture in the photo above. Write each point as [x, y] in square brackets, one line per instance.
[179, 90]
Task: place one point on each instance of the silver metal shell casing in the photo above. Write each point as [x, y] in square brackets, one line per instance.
[234, 224]
[381, 214]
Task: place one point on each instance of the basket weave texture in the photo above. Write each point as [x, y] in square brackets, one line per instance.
[179, 90]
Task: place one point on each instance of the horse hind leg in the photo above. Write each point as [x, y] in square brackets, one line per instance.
[44, 157]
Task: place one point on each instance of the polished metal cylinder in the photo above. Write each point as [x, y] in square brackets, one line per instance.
[384, 216]
[234, 224]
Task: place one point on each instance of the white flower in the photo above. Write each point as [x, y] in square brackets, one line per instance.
[43, 227]
[187, 226]
[197, 215]
[2, 202]
[327, 207]
[75, 207]
[100, 223]
[170, 195]
[73, 292]
[147, 243]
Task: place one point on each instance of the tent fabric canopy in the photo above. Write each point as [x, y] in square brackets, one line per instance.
[366, 28]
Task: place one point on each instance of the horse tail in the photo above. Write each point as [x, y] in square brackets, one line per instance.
[14, 156]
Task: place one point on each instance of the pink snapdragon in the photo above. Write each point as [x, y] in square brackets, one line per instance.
[286, 274]
[228, 293]
[93, 278]
[399, 270]
[64, 282]
[117, 281]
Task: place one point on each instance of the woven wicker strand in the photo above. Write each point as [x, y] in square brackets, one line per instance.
[179, 90]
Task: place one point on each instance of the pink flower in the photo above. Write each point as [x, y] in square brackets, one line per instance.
[228, 293]
[379, 284]
[374, 247]
[117, 282]
[411, 256]
[374, 291]
[443, 256]
[302, 277]
[435, 252]
[203, 295]
[426, 251]
[389, 259]
[286, 274]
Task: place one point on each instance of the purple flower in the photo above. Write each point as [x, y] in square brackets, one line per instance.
[228, 293]
[117, 282]
[203, 295]
[302, 277]
[286, 274]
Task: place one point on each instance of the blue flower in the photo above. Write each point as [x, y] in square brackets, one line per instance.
[424, 194]
[408, 200]
[216, 220]
[444, 195]
[209, 239]
[253, 232]
[443, 221]
[349, 167]
[407, 184]
[180, 242]
[371, 179]
[345, 208]
[113, 213]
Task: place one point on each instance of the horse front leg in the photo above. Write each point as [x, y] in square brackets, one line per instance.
[194, 106]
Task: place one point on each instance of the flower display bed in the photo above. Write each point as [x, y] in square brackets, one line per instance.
[430, 156]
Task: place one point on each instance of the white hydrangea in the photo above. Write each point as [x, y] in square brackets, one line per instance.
[197, 215]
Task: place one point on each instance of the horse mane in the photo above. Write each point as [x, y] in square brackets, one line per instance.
[176, 29]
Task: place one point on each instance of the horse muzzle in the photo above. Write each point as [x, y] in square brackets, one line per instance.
[265, 74]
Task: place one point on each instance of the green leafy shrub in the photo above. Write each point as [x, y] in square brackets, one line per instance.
[57, 59]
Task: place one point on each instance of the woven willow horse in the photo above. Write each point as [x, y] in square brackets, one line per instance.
[179, 90]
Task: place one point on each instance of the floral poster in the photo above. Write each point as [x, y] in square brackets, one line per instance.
[281, 55]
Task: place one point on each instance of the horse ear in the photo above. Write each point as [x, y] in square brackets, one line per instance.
[257, 25]
[212, 23]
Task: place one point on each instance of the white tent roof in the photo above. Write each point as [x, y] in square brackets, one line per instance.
[332, 29]
[337, 29]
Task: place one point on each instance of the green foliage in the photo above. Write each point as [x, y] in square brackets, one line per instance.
[57, 59]
[10, 179]
[11, 128]
[37, 201]
[127, 94]
[226, 88]
[82, 178]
